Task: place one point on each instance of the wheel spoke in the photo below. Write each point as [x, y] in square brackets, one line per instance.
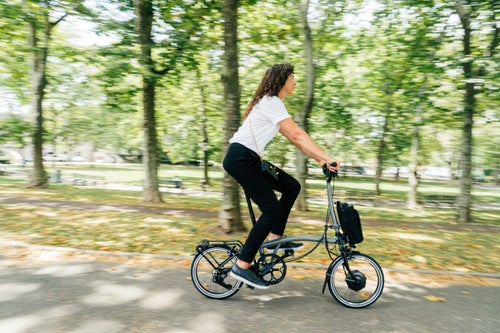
[210, 273]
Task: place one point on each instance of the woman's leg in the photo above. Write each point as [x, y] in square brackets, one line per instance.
[290, 189]
[261, 192]
[244, 166]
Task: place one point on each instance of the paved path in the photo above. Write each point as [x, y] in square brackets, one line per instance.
[44, 291]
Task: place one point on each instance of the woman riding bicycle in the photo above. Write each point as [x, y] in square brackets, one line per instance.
[265, 116]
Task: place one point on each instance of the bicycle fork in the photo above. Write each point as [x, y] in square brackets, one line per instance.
[345, 253]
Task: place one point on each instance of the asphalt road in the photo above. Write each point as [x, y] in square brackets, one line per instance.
[44, 292]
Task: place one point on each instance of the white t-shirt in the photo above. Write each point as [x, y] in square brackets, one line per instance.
[263, 121]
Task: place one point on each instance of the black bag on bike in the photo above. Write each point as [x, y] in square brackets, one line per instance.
[350, 222]
[270, 170]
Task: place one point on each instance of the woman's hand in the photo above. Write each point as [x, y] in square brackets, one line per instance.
[332, 163]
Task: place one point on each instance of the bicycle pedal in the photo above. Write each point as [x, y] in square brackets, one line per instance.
[250, 287]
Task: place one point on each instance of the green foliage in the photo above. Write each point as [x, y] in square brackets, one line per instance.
[15, 130]
[373, 64]
[13, 59]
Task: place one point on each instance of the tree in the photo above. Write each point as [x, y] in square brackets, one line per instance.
[302, 117]
[203, 126]
[389, 69]
[143, 26]
[424, 35]
[39, 18]
[470, 12]
[230, 212]
[167, 34]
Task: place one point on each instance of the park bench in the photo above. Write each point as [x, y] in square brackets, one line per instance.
[172, 183]
[13, 172]
[438, 199]
[84, 180]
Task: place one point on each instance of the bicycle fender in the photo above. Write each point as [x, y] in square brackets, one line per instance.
[330, 268]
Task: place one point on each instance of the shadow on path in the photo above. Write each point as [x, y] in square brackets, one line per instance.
[71, 295]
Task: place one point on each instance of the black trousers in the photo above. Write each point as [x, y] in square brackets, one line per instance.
[243, 165]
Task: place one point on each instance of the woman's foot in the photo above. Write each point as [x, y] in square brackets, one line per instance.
[248, 276]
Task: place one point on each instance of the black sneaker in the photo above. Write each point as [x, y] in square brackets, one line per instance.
[286, 246]
[248, 276]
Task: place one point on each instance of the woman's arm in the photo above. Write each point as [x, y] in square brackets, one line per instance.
[305, 143]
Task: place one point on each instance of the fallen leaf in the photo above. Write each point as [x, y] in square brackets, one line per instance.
[434, 298]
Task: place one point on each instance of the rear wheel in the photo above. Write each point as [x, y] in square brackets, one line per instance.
[210, 272]
[358, 287]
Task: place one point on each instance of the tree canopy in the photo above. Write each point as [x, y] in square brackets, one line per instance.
[376, 63]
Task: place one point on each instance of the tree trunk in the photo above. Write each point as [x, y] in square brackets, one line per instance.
[230, 211]
[380, 152]
[465, 198]
[302, 117]
[151, 192]
[203, 127]
[414, 150]
[39, 50]
[143, 24]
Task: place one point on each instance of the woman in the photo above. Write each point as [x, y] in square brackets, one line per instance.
[265, 116]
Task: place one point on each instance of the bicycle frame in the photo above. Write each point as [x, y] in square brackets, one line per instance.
[324, 239]
[330, 222]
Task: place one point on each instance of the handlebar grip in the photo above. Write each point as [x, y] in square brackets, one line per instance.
[334, 164]
[327, 171]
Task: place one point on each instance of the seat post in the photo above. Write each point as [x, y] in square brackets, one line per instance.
[250, 208]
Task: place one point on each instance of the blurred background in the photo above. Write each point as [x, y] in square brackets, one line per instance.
[392, 88]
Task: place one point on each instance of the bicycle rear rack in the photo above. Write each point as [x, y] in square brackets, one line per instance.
[233, 245]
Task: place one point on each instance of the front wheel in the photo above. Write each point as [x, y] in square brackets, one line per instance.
[210, 272]
[360, 285]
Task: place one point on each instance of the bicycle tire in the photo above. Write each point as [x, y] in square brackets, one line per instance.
[360, 288]
[210, 273]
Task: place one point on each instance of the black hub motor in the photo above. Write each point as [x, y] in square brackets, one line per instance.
[355, 280]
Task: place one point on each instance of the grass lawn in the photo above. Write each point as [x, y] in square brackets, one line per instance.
[426, 239]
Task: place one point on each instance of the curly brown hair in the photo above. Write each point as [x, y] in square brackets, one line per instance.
[271, 84]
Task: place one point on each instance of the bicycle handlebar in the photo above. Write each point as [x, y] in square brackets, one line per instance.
[328, 173]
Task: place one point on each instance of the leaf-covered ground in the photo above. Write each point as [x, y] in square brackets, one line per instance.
[106, 220]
